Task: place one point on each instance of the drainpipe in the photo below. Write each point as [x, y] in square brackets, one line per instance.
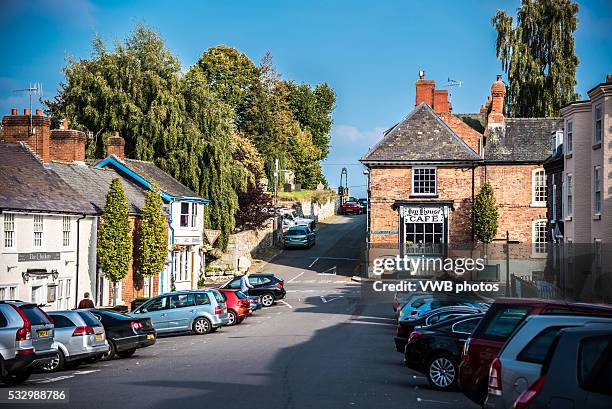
[78, 246]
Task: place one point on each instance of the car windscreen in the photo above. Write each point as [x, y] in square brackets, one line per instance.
[89, 319]
[35, 315]
[296, 232]
[501, 321]
[113, 314]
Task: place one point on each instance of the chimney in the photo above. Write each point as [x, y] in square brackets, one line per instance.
[67, 145]
[424, 90]
[498, 93]
[34, 130]
[440, 101]
[116, 146]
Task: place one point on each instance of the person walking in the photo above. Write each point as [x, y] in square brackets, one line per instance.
[245, 284]
[86, 302]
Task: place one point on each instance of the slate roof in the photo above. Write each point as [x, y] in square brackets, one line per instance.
[421, 136]
[27, 185]
[521, 140]
[93, 184]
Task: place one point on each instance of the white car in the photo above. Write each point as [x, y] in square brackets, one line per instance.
[291, 218]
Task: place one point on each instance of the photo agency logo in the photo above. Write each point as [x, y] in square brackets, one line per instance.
[424, 265]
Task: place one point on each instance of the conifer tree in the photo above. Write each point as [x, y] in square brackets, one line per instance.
[152, 235]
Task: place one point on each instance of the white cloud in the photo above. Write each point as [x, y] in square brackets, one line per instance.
[349, 133]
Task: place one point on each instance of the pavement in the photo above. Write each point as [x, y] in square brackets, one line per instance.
[321, 347]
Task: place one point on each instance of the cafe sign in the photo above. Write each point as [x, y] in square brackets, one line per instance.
[422, 214]
[38, 256]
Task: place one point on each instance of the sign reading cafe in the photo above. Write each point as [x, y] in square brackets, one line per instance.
[424, 214]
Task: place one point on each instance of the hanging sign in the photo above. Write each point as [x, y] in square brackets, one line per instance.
[212, 235]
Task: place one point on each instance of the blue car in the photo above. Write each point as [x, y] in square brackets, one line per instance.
[199, 311]
[299, 236]
[423, 304]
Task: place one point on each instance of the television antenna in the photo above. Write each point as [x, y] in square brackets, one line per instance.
[453, 83]
[35, 89]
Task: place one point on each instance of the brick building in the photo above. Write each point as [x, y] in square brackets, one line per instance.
[427, 169]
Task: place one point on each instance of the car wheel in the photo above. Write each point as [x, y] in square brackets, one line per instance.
[112, 351]
[267, 300]
[201, 326]
[233, 318]
[126, 354]
[56, 364]
[16, 378]
[442, 372]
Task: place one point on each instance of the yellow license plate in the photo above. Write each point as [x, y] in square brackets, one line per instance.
[150, 336]
[99, 337]
[43, 333]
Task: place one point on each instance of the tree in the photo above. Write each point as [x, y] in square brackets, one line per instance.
[538, 55]
[152, 235]
[485, 215]
[114, 236]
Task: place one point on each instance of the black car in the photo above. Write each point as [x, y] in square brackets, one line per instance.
[576, 373]
[405, 327]
[125, 334]
[266, 286]
[436, 350]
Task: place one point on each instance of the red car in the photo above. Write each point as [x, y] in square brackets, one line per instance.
[497, 325]
[350, 208]
[238, 305]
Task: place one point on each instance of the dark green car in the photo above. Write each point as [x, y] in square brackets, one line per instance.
[299, 236]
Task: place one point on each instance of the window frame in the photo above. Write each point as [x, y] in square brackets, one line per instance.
[435, 181]
[534, 188]
[569, 195]
[568, 143]
[539, 249]
[7, 291]
[597, 190]
[8, 223]
[38, 226]
[66, 231]
[598, 120]
[463, 321]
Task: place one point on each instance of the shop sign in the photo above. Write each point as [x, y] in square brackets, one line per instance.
[38, 256]
[422, 214]
[187, 240]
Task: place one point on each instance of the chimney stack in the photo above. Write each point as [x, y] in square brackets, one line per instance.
[116, 146]
[426, 92]
[67, 145]
[34, 130]
[498, 93]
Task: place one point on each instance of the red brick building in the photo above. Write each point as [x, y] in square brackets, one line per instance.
[427, 169]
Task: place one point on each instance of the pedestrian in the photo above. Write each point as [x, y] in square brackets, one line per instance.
[244, 283]
[86, 302]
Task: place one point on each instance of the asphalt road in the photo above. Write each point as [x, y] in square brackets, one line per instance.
[319, 348]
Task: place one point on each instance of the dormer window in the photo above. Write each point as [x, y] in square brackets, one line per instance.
[189, 214]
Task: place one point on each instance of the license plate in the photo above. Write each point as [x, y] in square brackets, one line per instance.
[150, 336]
[99, 337]
[43, 333]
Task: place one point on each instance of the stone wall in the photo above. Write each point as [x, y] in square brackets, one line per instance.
[319, 212]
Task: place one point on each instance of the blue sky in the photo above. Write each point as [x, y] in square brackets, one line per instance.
[370, 52]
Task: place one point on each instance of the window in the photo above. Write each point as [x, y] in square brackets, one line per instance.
[61, 321]
[570, 134]
[501, 322]
[66, 231]
[466, 326]
[568, 192]
[424, 181]
[68, 291]
[9, 230]
[189, 214]
[598, 125]
[38, 231]
[35, 294]
[539, 236]
[595, 365]
[180, 265]
[535, 351]
[181, 300]
[202, 299]
[538, 183]
[597, 189]
[554, 197]
[8, 292]
[157, 304]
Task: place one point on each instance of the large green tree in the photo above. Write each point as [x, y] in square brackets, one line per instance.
[114, 237]
[152, 235]
[538, 55]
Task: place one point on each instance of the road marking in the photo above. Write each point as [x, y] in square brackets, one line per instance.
[430, 400]
[295, 277]
[49, 380]
[325, 273]
[337, 258]
[286, 303]
[312, 264]
[85, 372]
[326, 300]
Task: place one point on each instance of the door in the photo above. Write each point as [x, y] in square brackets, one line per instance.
[181, 312]
[157, 310]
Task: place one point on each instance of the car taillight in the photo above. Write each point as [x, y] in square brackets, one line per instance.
[136, 325]
[414, 335]
[25, 332]
[413, 313]
[218, 310]
[84, 330]
[529, 394]
[22, 352]
[495, 385]
[245, 303]
[279, 285]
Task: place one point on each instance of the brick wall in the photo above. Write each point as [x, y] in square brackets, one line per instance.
[67, 145]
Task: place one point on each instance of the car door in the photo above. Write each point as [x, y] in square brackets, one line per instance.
[157, 311]
[181, 312]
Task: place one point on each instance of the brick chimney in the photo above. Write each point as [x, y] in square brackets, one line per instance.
[34, 130]
[67, 145]
[116, 146]
[426, 92]
[498, 93]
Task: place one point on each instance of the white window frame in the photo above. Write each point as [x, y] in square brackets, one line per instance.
[597, 190]
[38, 226]
[66, 231]
[7, 292]
[554, 198]
[598, 136]
[569, 140]
[534, 191]
[414, 172]
[538, 248]
[569, 196]
[8, 227]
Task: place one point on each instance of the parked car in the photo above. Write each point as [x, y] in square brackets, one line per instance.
[266, 286]
[292, 218]
[26, 340]
[520, 361]
[255, 302]
[125, 334]
[436, 350]
[350, 208]
[405, 327]
[364, 204]
[400, 299]
[299, 236]
[423, 304]
[504, 316]
[199, 311]
[79, 336]
[577, 373]
[238, 305]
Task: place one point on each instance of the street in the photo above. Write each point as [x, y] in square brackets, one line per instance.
[319, 348]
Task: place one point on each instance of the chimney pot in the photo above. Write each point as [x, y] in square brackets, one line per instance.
[422, 74]
[13, 111]
[26, 111]
[499, 77]
[39, 112]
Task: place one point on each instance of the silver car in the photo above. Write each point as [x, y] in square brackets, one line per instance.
[79, 337]
[519, 363]
[200, 311]
[26, 340]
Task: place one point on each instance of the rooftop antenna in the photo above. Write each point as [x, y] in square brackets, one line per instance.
[453, 83]
[35, 89]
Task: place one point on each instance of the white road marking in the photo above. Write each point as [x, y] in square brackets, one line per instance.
[286, 303]
[430, 400]
[313, 263]
[49, 380]
[85, 372]
[295, 277]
